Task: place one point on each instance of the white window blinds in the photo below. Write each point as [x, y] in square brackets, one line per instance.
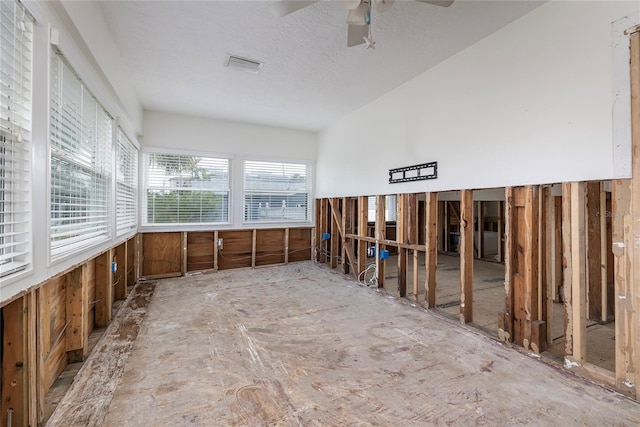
[80, 163]
[16, 30]
[126, 184]
[390, 213]
[276, 192]
[184, 189]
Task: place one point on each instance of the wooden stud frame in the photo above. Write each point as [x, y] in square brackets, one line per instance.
[466, 256]
[363, 202]
[380, 235]
[431, 248]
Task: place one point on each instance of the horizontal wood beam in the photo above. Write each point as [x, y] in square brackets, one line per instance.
[386, 242]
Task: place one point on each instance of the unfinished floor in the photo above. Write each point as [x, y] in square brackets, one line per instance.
[488, 301]
[303, 345]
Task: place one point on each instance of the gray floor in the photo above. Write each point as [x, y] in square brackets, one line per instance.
[302, 345]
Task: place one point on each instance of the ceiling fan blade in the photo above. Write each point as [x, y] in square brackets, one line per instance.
[282, 8]
[356, 34]
[382, 5]
[443, 3]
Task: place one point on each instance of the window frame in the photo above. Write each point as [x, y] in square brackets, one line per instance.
[143, 173]
[309, 187]
[100, 168]
[16, 176]
[128, 183]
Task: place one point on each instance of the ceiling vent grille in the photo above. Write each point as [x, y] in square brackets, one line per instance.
[244, 64]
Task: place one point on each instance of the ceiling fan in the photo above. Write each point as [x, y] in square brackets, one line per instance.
[358, 19]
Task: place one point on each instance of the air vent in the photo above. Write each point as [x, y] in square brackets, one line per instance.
[244, 64]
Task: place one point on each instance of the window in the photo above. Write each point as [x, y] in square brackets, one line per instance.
[16, 35]
[390, 208]
[126, 184]
[183, 189]
[276, 192]
[80, 163]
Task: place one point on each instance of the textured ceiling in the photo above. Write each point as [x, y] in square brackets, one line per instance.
[176, 52]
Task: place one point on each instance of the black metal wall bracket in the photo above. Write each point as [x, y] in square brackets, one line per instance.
[414, 173]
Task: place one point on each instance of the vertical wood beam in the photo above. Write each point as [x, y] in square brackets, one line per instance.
[431, 248]
[286, 245]
[623, 248]
[125, 267]
[254, 243]
[183, 254]
[401, 237]
[76, 295]
[505, 319]
[216, 249]
[466, 256]
[578, 272]
[594, 250]
[380, 234]
[545, 251]
[567, 259]
[578, 282]
[138, 257]
[500, 232]
[626, 248]
[556, 252]
[413, 236]
[447, 231]
[32, 356]
[317, 236]
[347, 228]
[323, 228]
[604, 252]
[480, 231]
[532, 301]
[40, 368]
[335, 235]
[15, 376]
[363, 219]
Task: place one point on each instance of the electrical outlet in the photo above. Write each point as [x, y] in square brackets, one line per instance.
[220, 243]
[114, 267]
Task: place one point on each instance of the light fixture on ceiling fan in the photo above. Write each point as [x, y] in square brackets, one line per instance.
[358, 19]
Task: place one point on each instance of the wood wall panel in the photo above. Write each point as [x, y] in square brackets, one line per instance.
[270, 247]
[236, 249]
[299, 244]
[120, 276]
[200, 250]
[15, 379]
[161, 254]
[132, 249]
[91, 295]
[53, 303]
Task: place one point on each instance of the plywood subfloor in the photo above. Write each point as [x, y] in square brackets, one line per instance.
[489, 300]
[301, 345]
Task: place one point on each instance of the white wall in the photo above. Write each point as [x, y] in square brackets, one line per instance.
[170, 130]
[88, 19]
[531, 103]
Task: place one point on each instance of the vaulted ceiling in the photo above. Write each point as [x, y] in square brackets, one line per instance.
[176, 52]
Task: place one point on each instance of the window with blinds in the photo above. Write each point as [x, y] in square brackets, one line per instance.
[126, 184]
[80, 163]
[390, 212]
[16, 35]
[181, 189]
[276, 192]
